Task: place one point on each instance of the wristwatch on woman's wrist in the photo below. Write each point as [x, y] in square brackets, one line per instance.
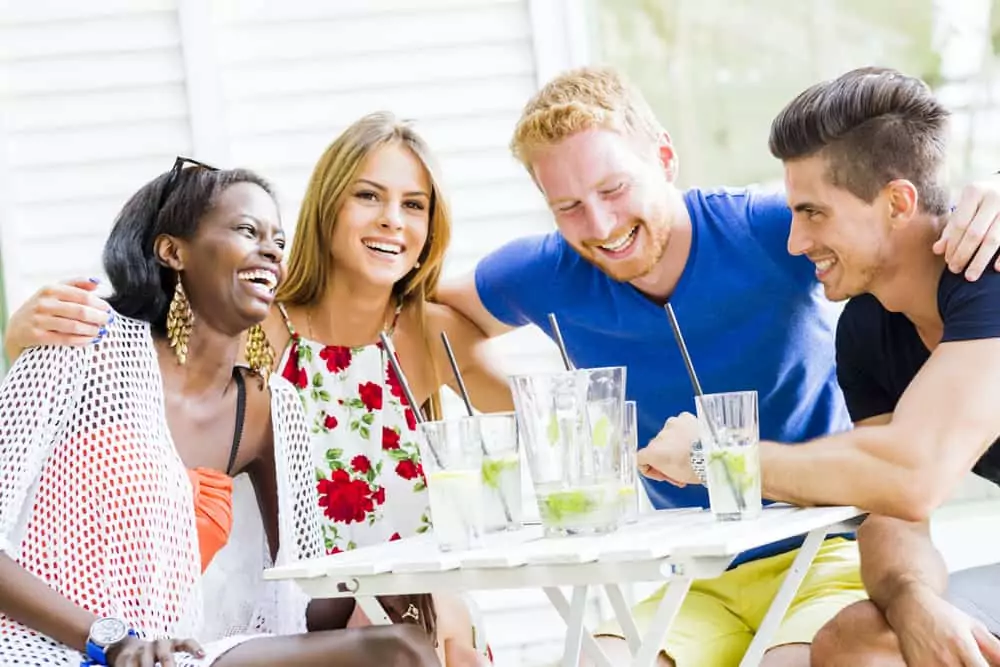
[104, 634]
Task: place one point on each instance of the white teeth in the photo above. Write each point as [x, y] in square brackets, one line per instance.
[269, 279]
[825, 265]
[391, 248]
[621, 242]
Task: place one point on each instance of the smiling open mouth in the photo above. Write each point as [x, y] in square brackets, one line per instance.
[825, 266]
[260, 277]
[385, 248]
[621, 243]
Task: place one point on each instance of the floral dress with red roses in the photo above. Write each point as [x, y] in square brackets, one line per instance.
[370, 483]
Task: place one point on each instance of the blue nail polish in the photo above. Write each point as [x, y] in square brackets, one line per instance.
[101, 333]
[94, 280]
[96, 340]
[111, 317]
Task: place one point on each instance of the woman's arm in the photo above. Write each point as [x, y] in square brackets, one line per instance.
[37, 400]
[28, 600]
[66, 313]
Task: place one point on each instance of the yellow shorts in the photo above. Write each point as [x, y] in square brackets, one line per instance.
[718, 618]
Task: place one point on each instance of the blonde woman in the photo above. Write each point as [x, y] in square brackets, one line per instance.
[368, 250]
[366, 257]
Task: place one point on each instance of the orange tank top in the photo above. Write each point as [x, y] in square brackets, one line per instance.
[213, 490]
[213, 510]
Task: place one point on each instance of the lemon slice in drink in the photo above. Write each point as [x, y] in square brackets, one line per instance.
[735, 462]
[626, 492]
[552, 431]
[451, 475]
[559, 505]
[602, 432]
[494, 468]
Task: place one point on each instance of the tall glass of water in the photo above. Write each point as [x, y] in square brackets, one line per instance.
[453, 467]
[496, 436]
[730, 438]
[628, 470]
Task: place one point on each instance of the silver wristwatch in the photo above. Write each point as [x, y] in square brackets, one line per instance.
[105, 633]
[698, 461]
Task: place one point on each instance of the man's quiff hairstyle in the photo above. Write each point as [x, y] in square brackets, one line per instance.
[873, 125]
[583, 99]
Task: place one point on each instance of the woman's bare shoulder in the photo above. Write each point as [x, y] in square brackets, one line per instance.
[445, 318]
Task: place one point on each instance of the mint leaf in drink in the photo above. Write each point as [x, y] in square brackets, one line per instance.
[494, 468]
[560, 505]
[735, 461]
[552, 432]
[602, 432]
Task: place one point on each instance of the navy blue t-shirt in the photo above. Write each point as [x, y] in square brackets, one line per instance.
[880, 352]
[753, 316]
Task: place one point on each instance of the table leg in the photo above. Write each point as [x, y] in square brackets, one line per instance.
[373, 610]
[677, 589]
[776, 612]
[589, 645]
[624, 616]
[575, 629]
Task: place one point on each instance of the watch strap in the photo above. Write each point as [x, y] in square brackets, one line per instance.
[97, 655]
[698, 461]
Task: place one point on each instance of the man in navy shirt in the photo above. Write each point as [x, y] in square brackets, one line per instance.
[918, 359]
[628, 239]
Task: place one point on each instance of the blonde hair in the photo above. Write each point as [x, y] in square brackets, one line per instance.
[308, 266]
[579, 100]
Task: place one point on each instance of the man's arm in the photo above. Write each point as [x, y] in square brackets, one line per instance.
[944, 422]
[462, 295]
[906, 578]
[484, 378]
[897, 556]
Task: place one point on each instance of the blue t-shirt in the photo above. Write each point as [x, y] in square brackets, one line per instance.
[880, 352]
[753, 317]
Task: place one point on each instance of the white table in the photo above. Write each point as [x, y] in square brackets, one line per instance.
[676, 546]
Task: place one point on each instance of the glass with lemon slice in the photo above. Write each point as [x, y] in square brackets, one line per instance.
[453, 468]
[571, 424]
[728, 425]
[497, 436]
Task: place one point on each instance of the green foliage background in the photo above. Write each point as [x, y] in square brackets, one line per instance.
[718, 71]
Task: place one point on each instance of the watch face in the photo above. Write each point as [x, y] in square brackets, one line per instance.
[107, 631]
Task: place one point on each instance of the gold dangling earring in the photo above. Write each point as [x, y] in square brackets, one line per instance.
[259, 353]
[180, 321]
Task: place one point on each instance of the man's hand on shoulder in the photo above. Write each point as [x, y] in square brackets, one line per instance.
[971, 239]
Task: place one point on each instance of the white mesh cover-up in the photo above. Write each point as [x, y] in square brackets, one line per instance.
[95, 501]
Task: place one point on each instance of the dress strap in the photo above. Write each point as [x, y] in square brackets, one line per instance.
[288, 320]
[241, 407]
[395, 317]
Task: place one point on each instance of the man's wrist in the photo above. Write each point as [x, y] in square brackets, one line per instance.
[905, 591]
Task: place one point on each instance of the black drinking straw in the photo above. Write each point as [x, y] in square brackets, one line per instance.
[468, 408]
[391, 351]
[458, 375]
[679, 337]
[559, 341]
